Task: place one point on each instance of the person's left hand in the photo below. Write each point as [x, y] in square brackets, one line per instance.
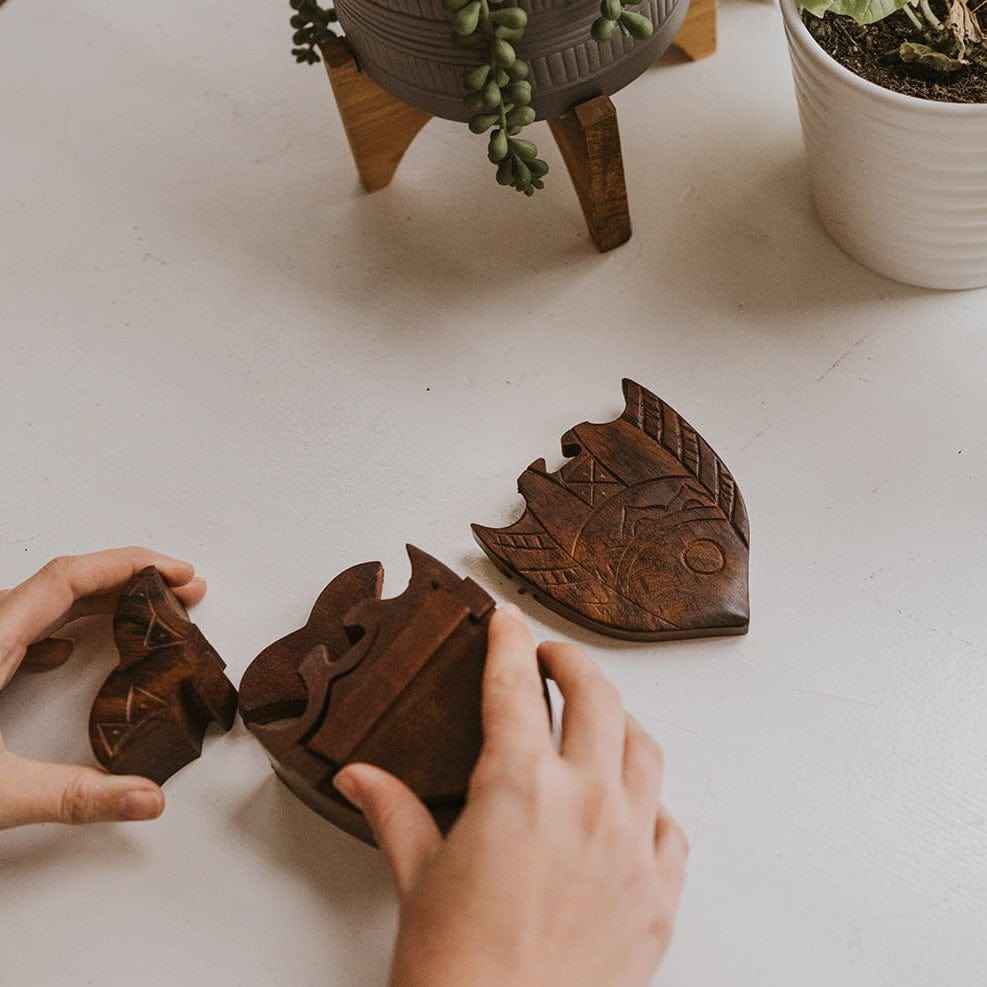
[64, 590]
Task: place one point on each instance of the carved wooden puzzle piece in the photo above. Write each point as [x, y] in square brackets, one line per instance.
[394, 682]
[151, 714]
[643, 534]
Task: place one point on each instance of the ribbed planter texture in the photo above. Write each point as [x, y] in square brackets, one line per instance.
[406, 46]
[899, 183]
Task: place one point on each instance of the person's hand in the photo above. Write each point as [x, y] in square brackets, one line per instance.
[563, 868]
[64, 590]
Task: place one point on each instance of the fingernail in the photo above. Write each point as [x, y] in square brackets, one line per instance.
[144, 804]
[345, 785]
[512, 609]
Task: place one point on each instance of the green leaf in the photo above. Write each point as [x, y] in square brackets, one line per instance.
[866, 11]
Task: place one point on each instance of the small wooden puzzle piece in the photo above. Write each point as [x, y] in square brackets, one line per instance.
[395, 683]
[151, 714]
[643, 534]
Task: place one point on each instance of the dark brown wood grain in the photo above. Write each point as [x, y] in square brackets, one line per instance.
[697, 36]
[395, 683]
[589, 141]
[379, 127]
[152, 712]
[643, 534]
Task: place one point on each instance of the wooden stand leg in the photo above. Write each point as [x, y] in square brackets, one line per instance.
[589, 140]
[379, 127]
[697, 36]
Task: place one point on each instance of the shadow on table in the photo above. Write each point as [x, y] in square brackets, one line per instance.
[349, 879]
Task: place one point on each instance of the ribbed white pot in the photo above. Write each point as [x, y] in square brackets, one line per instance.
[899, 183]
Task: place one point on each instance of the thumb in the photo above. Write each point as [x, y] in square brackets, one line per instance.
[34, 792]
[404, 829]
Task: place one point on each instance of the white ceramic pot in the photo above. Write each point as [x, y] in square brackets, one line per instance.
[900, 183]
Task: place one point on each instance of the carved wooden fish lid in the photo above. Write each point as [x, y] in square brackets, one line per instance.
[643, 534]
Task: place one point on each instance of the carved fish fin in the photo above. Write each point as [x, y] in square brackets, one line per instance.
[662, 423]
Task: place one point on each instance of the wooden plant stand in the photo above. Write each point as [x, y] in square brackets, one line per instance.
[380, 128]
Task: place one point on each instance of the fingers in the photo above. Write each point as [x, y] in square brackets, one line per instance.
[191, 592]
[35, 792]
[513, 703]
[644, 766]
[404, 829]
[47, 654]
[33, 610]
[593, 721]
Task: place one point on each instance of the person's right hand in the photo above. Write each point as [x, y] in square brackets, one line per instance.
[563, 869]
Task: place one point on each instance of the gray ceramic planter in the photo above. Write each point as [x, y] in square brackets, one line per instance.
[407, 48]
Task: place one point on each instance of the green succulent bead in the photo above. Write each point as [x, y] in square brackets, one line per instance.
[497, 148]
[491, 95]
[525, 150]
[511, 17]
[637, 25]
[482, 122]
[602, 29]
[521, 116]
[467, 19]
[502, 52]
[518, 93]
[475, 78]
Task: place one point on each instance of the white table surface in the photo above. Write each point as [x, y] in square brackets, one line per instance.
[212, 342]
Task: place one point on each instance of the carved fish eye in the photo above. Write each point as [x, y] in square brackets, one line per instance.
[703, 556]
[159, 634]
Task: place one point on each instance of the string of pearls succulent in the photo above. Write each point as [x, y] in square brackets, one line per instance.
[613, 15]
[498, 91]
[311, 25]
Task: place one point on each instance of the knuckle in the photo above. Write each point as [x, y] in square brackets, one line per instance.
[78, 801]
[57, 567]
[506, 680]
[517, 773]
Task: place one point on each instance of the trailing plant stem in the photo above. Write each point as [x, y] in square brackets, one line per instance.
[928, 15]
[913, 17]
